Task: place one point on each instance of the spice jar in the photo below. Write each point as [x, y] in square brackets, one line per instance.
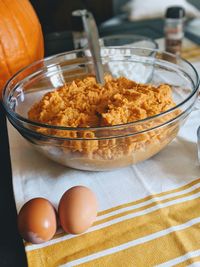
[174, 29]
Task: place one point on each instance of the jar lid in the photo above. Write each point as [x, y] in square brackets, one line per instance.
[175, 12]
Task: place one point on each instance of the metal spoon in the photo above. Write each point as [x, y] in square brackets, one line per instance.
[91, 30]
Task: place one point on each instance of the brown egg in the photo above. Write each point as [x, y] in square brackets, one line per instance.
[77, 209]
[37, 220]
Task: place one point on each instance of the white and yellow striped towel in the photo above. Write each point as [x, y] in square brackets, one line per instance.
[149, 214]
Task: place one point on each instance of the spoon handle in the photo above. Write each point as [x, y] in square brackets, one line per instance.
[93, 41]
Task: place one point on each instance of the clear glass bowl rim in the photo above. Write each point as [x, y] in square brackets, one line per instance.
[137, 37]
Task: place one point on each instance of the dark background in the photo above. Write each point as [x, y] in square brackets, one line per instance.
[56, 15]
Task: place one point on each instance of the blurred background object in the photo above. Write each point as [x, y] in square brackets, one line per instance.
[112, 17]
[174, 29]
[138, 9]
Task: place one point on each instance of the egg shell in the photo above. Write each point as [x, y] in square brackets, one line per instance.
[77, 209]
[37, 221]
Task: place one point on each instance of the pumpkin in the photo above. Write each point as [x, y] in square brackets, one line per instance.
[21, 38]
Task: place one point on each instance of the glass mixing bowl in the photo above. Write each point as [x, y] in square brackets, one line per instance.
[106, 147]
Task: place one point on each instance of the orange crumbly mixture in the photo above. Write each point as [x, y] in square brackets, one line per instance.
[84, 103]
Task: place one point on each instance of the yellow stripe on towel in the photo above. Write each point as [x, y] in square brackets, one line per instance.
[188, 262]
[184, 260]
[173, 191]
[191, 53]
[151, 253]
